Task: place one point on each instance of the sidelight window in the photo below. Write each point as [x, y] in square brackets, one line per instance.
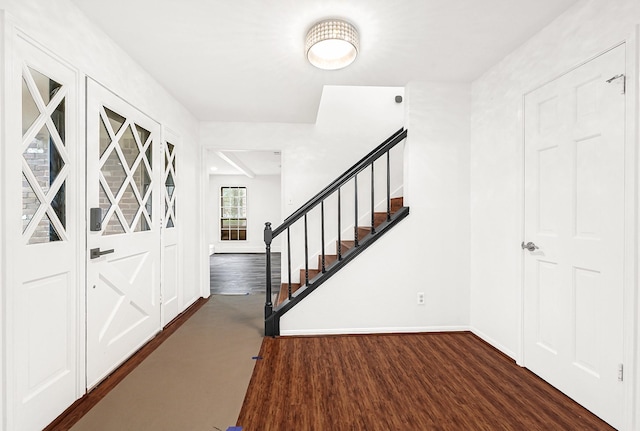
[170, 185]
[45, 160]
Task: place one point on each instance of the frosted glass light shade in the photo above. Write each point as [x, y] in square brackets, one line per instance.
[332, 44]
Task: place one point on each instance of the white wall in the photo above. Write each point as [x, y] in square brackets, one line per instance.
[63, 30]
[351, 122]
[585, 30]
[427, 252]
[3, 291]
[263, 204]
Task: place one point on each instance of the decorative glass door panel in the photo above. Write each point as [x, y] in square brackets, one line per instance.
[124, 180]
[125, 174]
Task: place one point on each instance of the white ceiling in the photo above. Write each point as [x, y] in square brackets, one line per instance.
[243, 60]
[243, 162]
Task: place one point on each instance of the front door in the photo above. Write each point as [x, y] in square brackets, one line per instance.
[124, 187]
[574, 219]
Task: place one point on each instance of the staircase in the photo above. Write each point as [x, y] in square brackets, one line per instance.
[297, 227]
[345, 247]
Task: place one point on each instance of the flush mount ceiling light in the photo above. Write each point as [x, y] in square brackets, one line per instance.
[332, 44]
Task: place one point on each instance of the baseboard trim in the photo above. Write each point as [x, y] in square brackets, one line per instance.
[492, 342]
[243, 250]
[382, 330]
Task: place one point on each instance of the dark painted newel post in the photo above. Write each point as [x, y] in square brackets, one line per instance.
[268, 305]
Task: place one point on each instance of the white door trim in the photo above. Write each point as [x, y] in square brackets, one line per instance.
[3, 267]
[632, 227]
[205, 290]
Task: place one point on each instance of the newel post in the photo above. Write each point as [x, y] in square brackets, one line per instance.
[268, 236]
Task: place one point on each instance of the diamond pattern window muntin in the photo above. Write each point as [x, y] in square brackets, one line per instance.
[142, 178]
[116, 121]
[148, 203]
[30, 112]
[58, 120]
[105, 138]
[46, 86]
[149, 154]
[143, 134]
[114, 226]
[45, 232]
[44, 158]
[127, 149]
[169, 185]
[30, 203]
[103, 201]
[58, 204]
[113, 172]
[129, 205]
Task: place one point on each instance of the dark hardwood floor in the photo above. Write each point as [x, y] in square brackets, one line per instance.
[440, 381]
[242, 273]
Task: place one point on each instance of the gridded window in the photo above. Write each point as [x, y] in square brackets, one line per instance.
[233, 213]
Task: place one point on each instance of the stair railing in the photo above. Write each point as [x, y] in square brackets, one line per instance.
[367, 162]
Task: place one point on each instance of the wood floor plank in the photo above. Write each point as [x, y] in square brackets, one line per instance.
[443, 381]
[237, 273]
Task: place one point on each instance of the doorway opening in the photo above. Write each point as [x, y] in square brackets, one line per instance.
[244, 192]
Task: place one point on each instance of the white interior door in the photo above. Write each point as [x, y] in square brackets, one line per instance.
[41, 174]
[171, 301]
[124, 180]
[574, 214]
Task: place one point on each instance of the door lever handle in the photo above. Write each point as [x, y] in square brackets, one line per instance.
[529, 246]
[95, 253]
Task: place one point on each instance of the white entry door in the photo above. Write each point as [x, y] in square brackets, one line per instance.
[124, 180]
[40, 174]
[574, 218]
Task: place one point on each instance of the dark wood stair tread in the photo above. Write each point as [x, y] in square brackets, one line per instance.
[347, 245]
[284, 291]
[396, 204]
[329, 259]
[312, 273]
[381, 217]
[363, 231]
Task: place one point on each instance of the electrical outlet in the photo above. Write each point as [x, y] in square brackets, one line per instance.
[420, 298]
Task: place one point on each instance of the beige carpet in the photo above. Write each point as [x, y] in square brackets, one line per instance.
[196, 380]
